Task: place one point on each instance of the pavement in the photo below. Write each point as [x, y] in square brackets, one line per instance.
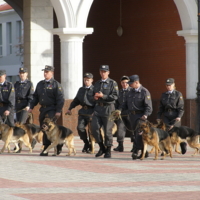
[80, 177]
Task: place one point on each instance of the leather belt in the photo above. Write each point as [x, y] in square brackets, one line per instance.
[46, 106]
[103, 104]
[134, 112]
[86, 107]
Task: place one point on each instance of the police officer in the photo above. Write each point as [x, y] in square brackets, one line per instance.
[7, 100]
[85, 98]
[106, 93]
[49, 94]
[23, 95]
[138, 102]
[172, 108]
[124, 123]
[171, 105]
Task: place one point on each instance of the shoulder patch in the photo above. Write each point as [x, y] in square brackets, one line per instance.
[181, 97]
[148, 97]
[116, 87]
[60, 88]
[12, 90]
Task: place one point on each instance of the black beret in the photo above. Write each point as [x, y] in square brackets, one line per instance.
[170, 81]
[2, 72]
[133, 78]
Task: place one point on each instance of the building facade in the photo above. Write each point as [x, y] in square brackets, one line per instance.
[11, 41]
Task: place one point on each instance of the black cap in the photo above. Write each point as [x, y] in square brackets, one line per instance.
[88, 75]
[104, 68]
[23, 70]
[124, 78]
[2, 72]
[170, 81]
[48, 68]
[133, 78]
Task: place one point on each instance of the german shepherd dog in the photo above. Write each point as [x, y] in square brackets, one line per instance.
[154, 137]
[58, 135]
[92, 139]
[13, 135]
[179, 134]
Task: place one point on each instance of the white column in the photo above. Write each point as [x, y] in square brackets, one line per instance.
[38, 38]
[72, 59]
[191, 40]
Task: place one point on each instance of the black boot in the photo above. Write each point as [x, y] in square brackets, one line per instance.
[146, 155]
[134, 154]
[108, 152]
[120, 147]
[101, 149]
[132, 148]
[42, 153]
[86, 147]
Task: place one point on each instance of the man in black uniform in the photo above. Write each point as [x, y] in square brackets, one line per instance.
[49, 94]
[106, 93]
[23, 95]
[138, 102]
[7, 100]
[125, 122]
[85, 98]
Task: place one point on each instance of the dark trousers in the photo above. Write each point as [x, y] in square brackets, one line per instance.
[9, 120]
[21, 114]
[136, 138]
[169, 118]
[122, 126]
[82, 123]
[102, 122]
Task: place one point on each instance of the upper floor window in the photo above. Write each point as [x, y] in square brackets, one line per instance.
[9, 37]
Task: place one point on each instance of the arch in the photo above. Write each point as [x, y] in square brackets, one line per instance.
[17, 5]
[72, 13]
[188, 13]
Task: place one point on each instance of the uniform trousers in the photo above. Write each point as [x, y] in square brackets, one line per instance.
[122, 124]
[136, 138]
[9, 120]
[169, 118]
[21, 114]
[82, 123]
[100, 119]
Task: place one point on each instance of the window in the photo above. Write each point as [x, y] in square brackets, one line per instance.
[9, 38]
[1, 43]
[19, 37]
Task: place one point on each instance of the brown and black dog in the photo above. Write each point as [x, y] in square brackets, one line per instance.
[155, 137]
[182, 133]
[14, 135]
[58, 135]
[92, 139]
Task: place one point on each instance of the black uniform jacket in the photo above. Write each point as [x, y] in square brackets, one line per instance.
[49, 94]
[121, 99]
[138, 101]
[110, 91]
[173, 101]
[7, 95]
[24, 91]
[84, 97]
